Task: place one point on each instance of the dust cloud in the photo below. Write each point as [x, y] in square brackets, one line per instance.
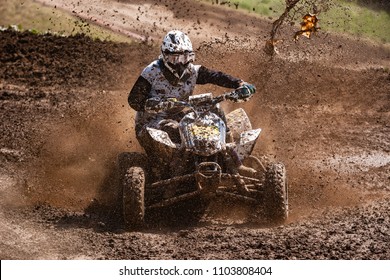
[78, 156]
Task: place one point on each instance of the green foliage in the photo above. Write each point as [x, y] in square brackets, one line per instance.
[39, 19]
[345, 16]
[354, 19]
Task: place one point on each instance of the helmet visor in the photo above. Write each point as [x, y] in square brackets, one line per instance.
[179, 58]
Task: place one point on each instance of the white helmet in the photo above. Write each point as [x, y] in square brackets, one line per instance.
[176, 50]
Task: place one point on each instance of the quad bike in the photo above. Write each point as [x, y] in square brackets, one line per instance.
[203, 165]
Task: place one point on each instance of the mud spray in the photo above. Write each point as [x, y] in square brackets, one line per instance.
[312, 189]
[77, 162]
[304, 10]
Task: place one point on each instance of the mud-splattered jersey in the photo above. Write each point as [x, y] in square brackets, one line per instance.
[170, 87]
[156, 81]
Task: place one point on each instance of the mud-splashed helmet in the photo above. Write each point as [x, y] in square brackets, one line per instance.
[176, 51]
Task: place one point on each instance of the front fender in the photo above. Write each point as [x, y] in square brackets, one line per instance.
[163, 142]
[247, 142]
[238, 122]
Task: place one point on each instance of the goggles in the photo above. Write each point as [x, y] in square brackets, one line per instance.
[179, 58]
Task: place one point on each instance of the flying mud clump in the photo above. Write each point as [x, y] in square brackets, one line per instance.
[295, 9]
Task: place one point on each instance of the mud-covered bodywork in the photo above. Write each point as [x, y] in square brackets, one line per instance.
[205, 134]
[208, 161]
[244, 136]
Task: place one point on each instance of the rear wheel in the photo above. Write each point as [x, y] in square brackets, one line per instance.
[276, 193]
[133, 197]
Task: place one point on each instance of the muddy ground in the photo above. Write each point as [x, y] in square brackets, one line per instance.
[323, 105]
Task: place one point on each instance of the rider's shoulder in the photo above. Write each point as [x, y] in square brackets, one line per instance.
[153, 66]
[152, 69]
[195, 67]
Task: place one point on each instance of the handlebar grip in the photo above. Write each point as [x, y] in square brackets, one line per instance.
[182, 104]
[220, 98]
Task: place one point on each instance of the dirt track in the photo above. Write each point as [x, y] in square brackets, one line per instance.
[323, 105]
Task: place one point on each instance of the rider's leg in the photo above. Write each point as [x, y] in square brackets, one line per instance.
[151, 147]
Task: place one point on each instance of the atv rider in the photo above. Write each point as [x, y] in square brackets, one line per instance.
[172, 77]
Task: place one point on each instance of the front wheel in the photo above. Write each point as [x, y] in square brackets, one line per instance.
[276, 193]
[133, 197]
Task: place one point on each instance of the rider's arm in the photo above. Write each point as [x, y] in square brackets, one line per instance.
[208, 76]
[243, 91]
[139, 94]
[140, 99]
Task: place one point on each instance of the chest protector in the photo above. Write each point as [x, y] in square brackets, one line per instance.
[167, 86]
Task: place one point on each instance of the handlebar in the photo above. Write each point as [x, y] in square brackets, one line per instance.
[171, 103]
[220, 98]
[213, 101]
[241, 94]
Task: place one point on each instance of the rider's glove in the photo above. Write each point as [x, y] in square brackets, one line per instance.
[243, 93]
[156, 105]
